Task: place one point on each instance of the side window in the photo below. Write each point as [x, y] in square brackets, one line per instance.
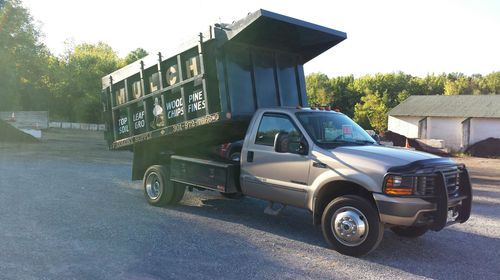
[270, 125]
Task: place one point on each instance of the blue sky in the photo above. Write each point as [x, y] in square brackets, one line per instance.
[417, 37]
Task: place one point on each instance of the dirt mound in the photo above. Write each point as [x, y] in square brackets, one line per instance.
[8, 133]
[489, 147]
[400, 141]
[397, 139]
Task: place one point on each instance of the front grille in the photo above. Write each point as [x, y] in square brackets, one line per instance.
[452, 182]
[426, 184]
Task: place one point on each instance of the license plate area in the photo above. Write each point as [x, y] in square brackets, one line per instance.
[452, 214]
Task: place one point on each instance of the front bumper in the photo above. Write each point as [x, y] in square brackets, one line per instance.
[429, 211]
[402, 211]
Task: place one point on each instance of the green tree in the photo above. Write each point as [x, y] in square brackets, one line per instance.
[368, 98]
[318, 89]
[76, 81]
[22, 59]
[345, 96]
[135, 55]
[371, 112]
[388, 86]
[457, 86]
[432, 84]
[490, 84]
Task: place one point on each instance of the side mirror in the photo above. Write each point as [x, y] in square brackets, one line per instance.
[281, 142]
[299, 147]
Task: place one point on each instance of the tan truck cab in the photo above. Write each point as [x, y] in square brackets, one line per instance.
[323, 161]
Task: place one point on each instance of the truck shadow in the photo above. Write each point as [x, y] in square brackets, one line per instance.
[485, 181]
[449, 254]
[292, 223]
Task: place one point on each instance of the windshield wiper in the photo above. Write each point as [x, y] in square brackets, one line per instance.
[355, 142]
[364, 141]
[342, 142]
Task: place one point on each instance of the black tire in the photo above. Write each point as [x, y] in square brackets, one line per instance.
[179, 191]
[353, 213]
[158, 189]
[410, 232]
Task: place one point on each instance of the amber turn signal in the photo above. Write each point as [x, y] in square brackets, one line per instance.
[399, 191]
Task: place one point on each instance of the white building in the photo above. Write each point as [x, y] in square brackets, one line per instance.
[459, 120]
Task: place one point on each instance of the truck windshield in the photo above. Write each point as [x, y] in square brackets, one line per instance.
[331, 129]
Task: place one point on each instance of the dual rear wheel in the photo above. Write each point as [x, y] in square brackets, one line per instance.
[158, 189]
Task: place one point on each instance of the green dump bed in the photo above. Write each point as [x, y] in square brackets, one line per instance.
[207, 90]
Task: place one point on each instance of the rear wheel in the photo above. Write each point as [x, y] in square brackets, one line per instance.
[158, 189]
[411, 232]
[351, 225]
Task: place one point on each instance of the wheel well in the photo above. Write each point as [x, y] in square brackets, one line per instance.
[146, 156]
[336, 189]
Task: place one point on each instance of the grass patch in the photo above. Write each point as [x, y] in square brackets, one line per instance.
[8, 133]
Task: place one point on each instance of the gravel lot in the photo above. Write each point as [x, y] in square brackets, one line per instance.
[68, 210]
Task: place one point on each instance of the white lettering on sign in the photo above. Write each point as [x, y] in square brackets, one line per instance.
[138, 116]
[122, 121]
[139, 124]
[123, 125]
[138, 119]
[196, 101]
[175, 108]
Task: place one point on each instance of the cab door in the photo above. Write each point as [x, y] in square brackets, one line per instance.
[266, 174]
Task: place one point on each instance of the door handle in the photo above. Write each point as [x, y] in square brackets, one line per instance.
[250, 156]
[319, 165]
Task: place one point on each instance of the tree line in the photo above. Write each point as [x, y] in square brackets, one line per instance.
[32, 78]
[367, 99]
[68, 85]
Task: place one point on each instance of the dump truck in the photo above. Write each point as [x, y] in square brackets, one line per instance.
[241, 87]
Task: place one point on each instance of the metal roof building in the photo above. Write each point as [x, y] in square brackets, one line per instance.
[457, 120]
[475, 106]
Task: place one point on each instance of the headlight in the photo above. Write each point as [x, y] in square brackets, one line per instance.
[398, 185]
[421, 185]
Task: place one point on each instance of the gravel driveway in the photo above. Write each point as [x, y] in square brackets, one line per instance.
[69, 210]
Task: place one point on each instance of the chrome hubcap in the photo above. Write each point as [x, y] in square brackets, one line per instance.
[349, 226]
[153, 185]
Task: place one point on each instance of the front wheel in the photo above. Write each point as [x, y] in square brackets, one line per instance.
[351, 225]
